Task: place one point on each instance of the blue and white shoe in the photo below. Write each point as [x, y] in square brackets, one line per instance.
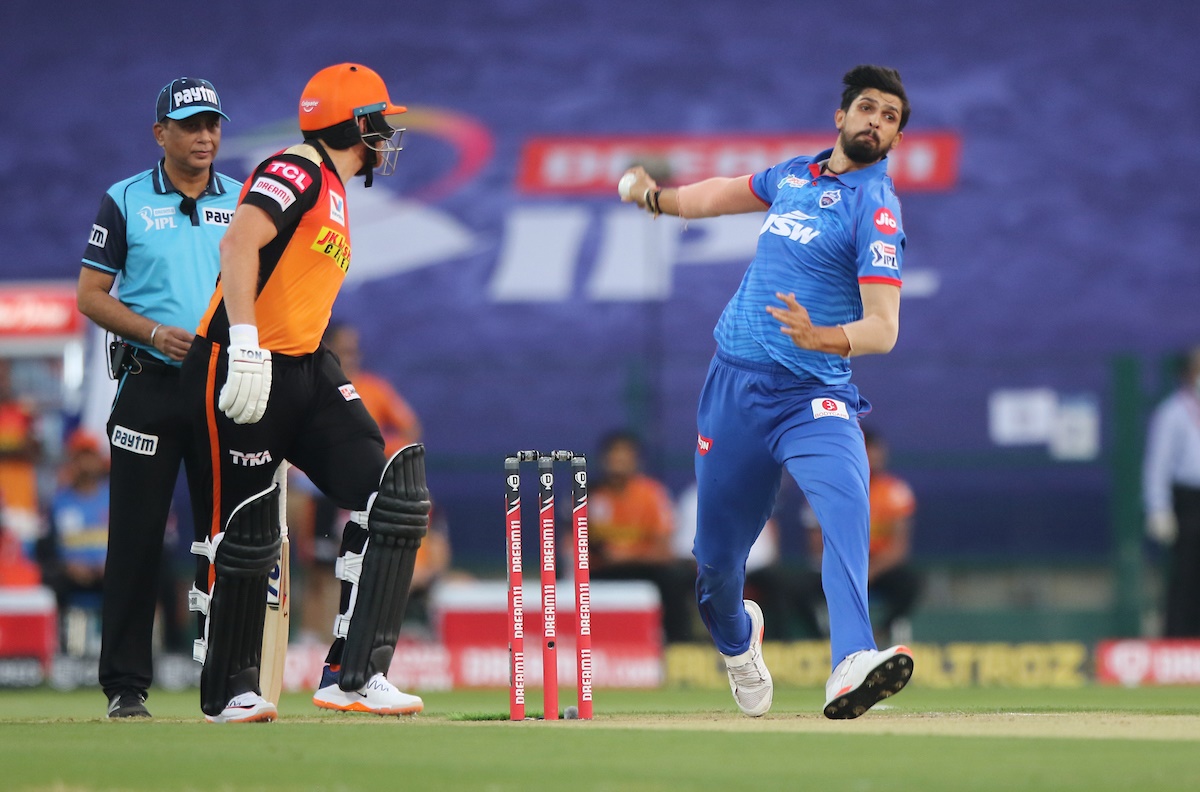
[378, 697]
[246, 708]
[749, 679]
[866, 678]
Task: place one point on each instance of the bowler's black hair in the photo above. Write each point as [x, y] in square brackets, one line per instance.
[881, 78]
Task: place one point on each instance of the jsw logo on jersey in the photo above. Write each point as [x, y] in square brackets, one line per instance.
[790, 225]
[250, 458]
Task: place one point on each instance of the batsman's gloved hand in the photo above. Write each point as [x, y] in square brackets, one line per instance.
[248, 384]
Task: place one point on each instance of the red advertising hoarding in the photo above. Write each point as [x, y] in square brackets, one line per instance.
[591, 165]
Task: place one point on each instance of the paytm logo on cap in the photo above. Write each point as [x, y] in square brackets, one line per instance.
[198, 93]
[186, 97]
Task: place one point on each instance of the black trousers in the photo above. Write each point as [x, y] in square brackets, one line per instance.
[150, 434]
[1183, 581]
[314, 420]
[311, 420]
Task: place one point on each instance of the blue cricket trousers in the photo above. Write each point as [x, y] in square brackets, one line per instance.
[754, 420]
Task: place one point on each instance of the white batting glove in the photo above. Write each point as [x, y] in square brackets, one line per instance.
[1161, 527]
[248, 385]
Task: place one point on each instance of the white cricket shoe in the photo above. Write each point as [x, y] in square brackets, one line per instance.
[246, 708]
[749, 678]
[866, 678]
[378, 696]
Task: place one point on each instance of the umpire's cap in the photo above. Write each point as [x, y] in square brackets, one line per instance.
[344, 93]
[186, 97]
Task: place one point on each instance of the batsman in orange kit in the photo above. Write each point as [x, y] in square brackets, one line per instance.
[263, 390]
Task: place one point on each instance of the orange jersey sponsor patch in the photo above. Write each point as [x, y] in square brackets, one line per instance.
[334, 245]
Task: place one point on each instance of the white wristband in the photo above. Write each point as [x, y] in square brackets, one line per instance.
[243, 335]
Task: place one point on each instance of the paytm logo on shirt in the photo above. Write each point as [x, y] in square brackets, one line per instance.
[220, 217]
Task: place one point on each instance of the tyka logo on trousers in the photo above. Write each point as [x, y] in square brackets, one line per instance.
[250, 458]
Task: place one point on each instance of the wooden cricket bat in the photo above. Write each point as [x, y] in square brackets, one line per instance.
[279, 606]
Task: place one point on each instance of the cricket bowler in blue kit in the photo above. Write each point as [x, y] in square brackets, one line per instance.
[824, 286]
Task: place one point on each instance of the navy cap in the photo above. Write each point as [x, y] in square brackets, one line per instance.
[185, 97]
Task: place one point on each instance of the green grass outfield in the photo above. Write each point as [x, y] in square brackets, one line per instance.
[1091, 738]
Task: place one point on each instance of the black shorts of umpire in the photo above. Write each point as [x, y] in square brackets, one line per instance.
[243, 556]
[384, 554]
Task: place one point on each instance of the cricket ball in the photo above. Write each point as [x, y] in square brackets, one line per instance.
[625, 185]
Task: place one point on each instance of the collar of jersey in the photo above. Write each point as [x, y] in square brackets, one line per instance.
[858, 177]
[325, 159]
[163, 186]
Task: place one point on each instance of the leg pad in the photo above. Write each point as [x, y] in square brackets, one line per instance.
[242, 557]
[397, 520]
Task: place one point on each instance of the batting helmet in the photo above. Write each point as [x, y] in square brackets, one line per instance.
[346, 92]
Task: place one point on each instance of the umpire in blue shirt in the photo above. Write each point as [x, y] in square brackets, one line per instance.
[156, 236]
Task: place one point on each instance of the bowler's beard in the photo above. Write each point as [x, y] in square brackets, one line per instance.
[863, 148]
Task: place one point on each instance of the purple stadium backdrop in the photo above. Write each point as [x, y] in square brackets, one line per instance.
[1047, 178]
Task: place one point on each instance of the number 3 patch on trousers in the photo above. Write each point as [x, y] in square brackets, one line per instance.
[826, 408]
